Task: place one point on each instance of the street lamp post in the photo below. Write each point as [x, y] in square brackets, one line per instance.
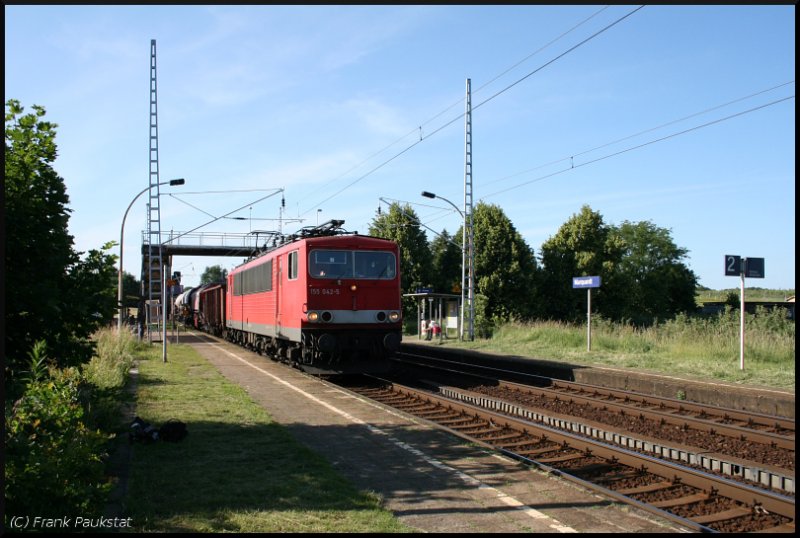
[171, 182]
[464, 274]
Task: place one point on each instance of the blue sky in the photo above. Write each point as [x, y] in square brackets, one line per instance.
[679, 115]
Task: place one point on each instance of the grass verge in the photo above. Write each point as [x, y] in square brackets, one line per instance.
[238, 470]
[694, 348]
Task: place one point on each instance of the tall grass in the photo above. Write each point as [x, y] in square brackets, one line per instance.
[114, 355]
[107, 372]
[699, 347]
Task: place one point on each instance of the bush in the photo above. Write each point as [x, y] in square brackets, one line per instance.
[54, 459]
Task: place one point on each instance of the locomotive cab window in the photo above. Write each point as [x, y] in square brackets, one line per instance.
[330, 264]
[372, 264]
[352, 264]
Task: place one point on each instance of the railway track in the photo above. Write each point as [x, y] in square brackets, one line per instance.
[694, 498]
[751, 447]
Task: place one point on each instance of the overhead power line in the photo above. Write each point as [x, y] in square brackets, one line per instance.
[419, 129]
[673, 135]
[573, 166]
[572, 157]
[276, 191]
[559, 57]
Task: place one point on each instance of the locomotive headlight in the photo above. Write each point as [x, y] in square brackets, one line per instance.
[353, 287]
[394, 316]
[313, 316]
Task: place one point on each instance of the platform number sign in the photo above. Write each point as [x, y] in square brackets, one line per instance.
[733, 265]
[749, 267]
[744, 268]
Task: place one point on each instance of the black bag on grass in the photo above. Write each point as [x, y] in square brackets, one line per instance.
[173, 431]
[142, 432]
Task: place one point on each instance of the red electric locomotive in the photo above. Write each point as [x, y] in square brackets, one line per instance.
[325, 300]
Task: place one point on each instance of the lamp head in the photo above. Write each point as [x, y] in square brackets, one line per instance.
[173, 182]
[427, 194]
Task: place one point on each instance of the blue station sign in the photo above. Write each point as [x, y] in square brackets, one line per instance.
[586, 282]
[754, 267]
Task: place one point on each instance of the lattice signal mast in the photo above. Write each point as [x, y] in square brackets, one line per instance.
[154, 262]
[468, 261]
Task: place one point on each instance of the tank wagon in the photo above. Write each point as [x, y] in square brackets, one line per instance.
[182, 308]
[324, 299]
[197, 315]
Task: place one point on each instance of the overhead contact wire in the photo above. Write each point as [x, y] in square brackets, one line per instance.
[639, 133]
[484, 102]
[673, 135]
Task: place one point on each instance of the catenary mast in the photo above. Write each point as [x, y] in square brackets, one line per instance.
[468, 253]
[154, 261]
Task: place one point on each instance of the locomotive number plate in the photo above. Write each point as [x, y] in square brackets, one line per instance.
[324, 291]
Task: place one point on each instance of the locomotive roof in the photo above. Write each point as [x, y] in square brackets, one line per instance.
[312, 234]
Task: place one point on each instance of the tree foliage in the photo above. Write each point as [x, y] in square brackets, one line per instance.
[51, 293]
[505, 266]
[214, 273]
[642, 270]
[131, 290]
[644, 277]
[38, 246]
[659, 284]
[401, 225]
[446, 259]
[583, 246]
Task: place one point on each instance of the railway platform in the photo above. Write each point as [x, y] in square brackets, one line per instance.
[432, 481]
[729, 395]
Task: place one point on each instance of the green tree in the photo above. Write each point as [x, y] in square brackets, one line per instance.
[401, 225]
[38, 246]
[131, 290]
[583, 246]
[505, 266]
[93, 292]
[214, 273]
[48, 286]
[446, 257]
[659, 285]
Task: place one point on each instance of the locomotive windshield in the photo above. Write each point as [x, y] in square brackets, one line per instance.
[370, 264]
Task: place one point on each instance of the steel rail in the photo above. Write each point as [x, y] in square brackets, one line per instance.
[769, 501]
[665, 417]
[557, 385]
